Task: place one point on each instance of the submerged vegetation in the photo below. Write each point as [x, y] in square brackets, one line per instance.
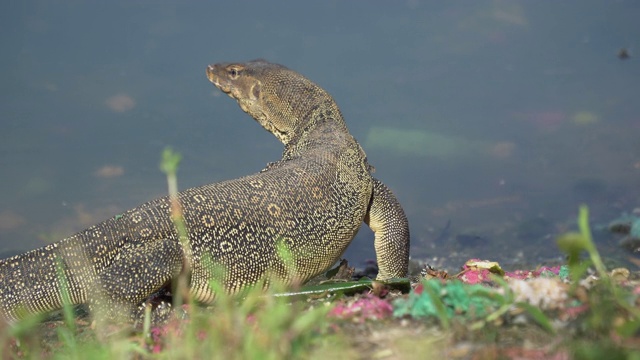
[569, 311]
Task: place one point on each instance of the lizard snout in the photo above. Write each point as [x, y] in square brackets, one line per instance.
[215, 79]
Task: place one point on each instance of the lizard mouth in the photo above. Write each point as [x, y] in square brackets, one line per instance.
[215, 79]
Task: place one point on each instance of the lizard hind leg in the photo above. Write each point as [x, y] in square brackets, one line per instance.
[136, 274]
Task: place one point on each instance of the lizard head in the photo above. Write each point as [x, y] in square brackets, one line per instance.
[280, 99]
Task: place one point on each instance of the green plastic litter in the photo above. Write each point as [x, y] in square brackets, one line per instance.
[547, 274]
[460, 299]
[564, 272]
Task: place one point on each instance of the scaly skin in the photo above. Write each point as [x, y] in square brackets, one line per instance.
[313, 201]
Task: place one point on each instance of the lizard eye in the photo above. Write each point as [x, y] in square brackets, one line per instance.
[233, 73]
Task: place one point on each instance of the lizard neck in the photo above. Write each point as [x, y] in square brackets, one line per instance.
[321, 115]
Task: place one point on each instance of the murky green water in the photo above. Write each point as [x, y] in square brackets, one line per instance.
[497, 117]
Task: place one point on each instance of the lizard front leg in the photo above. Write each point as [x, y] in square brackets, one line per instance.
[391, 229]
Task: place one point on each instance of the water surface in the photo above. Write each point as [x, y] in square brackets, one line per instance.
[491, 121]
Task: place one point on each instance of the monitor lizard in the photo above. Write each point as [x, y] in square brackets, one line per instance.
[313, 201]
